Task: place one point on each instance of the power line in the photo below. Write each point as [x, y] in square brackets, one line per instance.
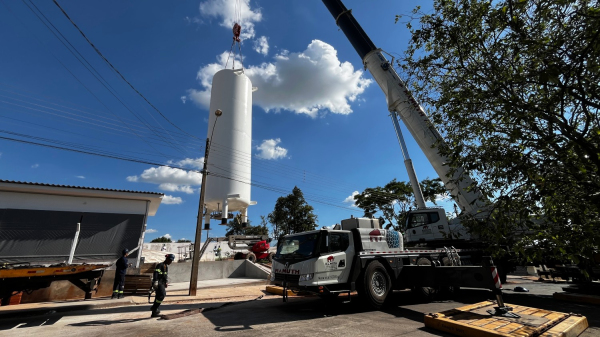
[142, 161]
[102, 80]
[63, 65]
[118, 72]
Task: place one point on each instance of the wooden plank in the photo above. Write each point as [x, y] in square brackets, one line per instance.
[571, 327]
[541, 313]
[484, 321]
[474, 322]
[509, 328]
[495, 325]
[459, 329]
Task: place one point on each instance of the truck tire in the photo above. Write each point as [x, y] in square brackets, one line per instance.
[376, 285]
[251, 257]
[426, 293]
[270, 257]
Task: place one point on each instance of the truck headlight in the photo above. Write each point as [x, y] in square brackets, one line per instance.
[306, 277]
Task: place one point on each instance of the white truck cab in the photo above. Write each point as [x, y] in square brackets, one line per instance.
[314, 258]
[431, 226]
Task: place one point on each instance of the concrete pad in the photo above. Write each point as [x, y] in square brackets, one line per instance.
[178, 292]
[31, 309]
[218, 283]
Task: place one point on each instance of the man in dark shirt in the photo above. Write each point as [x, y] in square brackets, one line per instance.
[160, 282]
[122, 264]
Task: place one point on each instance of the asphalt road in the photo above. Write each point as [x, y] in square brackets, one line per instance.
[269, 316]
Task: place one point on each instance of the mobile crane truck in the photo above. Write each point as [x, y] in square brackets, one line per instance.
[359, 254]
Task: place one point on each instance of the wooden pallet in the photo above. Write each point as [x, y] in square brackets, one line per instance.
[137, 284]
[474, 321]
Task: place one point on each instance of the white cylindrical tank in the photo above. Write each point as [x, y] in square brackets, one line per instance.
[231, 143]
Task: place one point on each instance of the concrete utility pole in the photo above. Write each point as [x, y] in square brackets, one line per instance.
[196, 257]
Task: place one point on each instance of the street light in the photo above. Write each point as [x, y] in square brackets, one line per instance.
[196, 258]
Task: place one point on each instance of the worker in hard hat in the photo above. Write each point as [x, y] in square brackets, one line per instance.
[160, 283]
[119, 284]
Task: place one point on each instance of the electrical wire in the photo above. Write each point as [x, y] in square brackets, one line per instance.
[118, 72]
[61, 63]
[97, 75]
[142, 161]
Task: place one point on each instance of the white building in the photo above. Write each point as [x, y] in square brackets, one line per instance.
[39, 222]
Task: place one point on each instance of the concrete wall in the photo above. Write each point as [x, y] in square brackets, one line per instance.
[210, 270]
[252, 271]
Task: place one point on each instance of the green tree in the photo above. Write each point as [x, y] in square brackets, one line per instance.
[234, 227]
[514, 87]
[292, 214]
[395, 199]
[183, 240]
[162, 239]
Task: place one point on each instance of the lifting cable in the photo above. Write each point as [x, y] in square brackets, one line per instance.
[237, 30]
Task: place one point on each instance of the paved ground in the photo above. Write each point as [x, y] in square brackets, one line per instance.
[270, 316]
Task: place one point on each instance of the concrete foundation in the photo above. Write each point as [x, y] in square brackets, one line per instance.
[208, 270]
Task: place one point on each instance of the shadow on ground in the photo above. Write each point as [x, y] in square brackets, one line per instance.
[240, 316]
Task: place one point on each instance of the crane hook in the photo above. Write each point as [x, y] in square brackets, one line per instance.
[237, 30]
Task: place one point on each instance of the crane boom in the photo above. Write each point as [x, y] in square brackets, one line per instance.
[401, 101]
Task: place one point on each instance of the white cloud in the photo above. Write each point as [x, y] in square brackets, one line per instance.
[225, 10]
[171, 200]
[168, 236]
[150, 231]
[176, 188]
[183, 99]
[306, 82]
[350, 199]
[0, 154]
[172, 179]
[261, 45]
[80, 177]
[166, 174]
[35, 165]
[188, 162]
[269, 149]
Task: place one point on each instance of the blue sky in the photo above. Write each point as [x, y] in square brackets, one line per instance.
[329, 133]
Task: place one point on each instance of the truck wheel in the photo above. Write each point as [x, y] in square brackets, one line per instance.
[251, 257]
[427, 293]
[376, 285]
[270, 257]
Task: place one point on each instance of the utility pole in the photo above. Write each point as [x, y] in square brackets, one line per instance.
[196, 257]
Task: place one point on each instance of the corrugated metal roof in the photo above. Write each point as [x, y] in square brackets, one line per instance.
[78, 187]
